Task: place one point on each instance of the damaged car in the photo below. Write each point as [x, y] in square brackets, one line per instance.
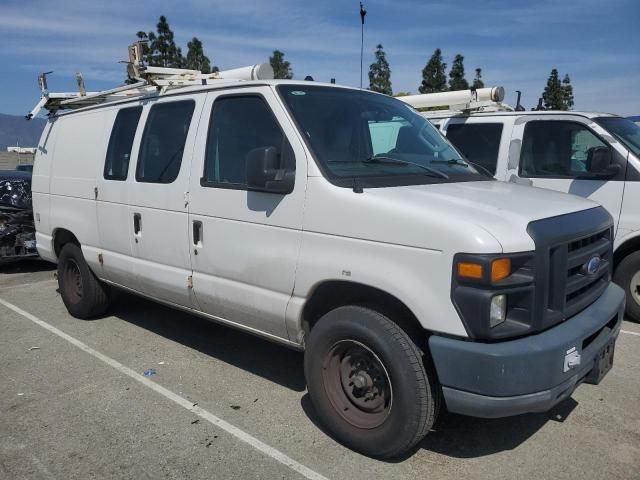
[17, 231]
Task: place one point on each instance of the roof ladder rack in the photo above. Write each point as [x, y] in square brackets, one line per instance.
[148, 80]
[462, 100]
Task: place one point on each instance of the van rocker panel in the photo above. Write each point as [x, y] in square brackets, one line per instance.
[527, 374]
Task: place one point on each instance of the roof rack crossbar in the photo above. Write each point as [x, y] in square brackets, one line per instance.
[89, 97]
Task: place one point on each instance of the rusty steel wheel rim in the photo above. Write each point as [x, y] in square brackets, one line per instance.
[72, 281]
[635, 287]
[357, 384]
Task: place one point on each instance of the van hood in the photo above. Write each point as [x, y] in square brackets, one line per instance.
[474, 217]
[502, 209]
[518, 202]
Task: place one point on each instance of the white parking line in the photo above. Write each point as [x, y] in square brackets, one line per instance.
[183, 402]
[630, 333]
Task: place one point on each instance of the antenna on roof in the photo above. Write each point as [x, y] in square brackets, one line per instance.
[519, 107]
[540, 107]
[80, 82]
[363, 12]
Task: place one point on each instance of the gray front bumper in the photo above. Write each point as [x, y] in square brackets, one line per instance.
[494, 380]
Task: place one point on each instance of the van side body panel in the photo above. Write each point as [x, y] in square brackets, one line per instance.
[40, 183]
[244, 266]
[73, 178]
[343, 241]
[113, 214]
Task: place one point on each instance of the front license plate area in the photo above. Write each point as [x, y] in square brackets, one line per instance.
[602, 364]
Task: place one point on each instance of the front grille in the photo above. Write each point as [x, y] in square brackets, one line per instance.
[564, 246]
[583, 288]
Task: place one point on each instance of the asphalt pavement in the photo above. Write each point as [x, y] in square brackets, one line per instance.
[218, 403]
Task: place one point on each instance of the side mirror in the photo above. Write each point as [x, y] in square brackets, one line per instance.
[600, 163]
[264, 174]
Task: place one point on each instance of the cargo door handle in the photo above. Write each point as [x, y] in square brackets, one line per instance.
[137, 223]
[197, 233]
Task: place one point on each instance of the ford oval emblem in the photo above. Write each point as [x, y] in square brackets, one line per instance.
[593, 265]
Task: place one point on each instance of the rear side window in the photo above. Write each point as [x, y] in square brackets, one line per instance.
[116, 164]
[238, 125]
[478, 142]
[163, 142]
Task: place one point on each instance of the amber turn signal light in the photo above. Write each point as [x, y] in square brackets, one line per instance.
[500, 269]
[470, 270]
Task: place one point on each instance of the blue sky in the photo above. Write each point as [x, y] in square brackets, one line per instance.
[516, 43]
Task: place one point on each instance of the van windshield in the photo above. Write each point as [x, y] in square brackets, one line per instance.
[625, 131]
[378, 140]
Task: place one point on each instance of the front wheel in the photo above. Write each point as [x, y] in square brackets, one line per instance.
[628, 277]
[367, 382]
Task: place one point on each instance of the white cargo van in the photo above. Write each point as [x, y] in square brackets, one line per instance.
[590, 154]
[405, 274]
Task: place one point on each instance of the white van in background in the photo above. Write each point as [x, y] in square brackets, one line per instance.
[406, 275]
[594, 155]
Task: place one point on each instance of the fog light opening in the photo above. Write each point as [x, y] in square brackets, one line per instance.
[498, 312]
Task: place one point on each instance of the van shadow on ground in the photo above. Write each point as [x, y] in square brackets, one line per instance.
[462, 437]
[453, 435]
[248, 352]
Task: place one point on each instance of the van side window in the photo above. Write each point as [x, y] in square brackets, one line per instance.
[479, 142]
[116, 165]
[557, 149]
[238, 125]
[163, 142]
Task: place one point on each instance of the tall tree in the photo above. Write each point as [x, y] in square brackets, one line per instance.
[434, 78]
[281, 68]
[380, 73]
[456, 75]
[196, 59]
[568, 92]
[163, 51]
[554, 94]
[477, 80]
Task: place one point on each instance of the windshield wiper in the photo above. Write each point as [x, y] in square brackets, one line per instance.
[465, 163]
[382, 159]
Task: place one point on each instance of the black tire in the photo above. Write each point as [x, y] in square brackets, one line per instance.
[627, 275]
[82, 293]
[359, 340]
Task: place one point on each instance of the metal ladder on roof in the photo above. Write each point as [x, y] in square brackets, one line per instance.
[146, 81]
[481, 99]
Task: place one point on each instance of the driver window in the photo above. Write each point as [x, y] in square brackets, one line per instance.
[238, 125]
[557, 149]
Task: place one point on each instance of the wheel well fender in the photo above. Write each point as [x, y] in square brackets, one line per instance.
[336, 293]
[625, 248]
[61, 237]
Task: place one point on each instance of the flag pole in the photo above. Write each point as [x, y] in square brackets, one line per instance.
[363, 12]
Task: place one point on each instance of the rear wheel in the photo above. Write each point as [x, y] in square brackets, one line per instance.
[627, 275]
[82, 293]
[367, 382]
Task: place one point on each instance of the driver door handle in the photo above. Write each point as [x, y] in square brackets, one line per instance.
[137, 223]
[197, 233]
